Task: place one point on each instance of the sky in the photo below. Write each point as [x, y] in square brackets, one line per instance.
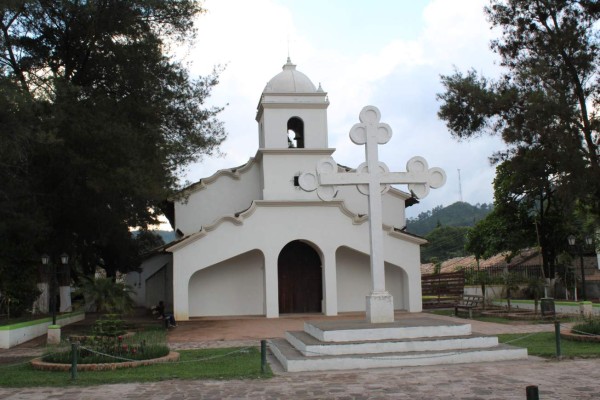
[385, 53]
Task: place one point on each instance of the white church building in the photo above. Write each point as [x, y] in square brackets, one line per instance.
[251, 241]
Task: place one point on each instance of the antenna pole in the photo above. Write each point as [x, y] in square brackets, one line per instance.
[459, 188]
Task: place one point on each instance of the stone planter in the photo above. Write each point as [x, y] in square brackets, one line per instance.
[579, 337]
[46, 366]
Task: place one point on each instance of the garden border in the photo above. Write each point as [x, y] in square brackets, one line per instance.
[38, 364]
[580, 338]
[21, 332]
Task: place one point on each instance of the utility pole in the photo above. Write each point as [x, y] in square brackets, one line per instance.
[460, 198]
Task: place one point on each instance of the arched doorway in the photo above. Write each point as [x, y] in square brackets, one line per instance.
[300, 279]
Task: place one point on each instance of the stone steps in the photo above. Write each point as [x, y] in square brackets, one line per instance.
[310, 347]
[339, 345]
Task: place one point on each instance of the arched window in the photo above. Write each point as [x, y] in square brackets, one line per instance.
[295, 128]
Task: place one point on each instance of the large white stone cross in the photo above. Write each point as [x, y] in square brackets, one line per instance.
[373, 179]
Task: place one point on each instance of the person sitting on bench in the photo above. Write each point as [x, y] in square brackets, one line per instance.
[168, 317]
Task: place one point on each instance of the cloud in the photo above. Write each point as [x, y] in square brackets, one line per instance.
[388, 65]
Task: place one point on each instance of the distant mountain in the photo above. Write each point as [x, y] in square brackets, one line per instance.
[457, 214]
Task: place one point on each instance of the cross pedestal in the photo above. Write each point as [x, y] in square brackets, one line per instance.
[373, 178]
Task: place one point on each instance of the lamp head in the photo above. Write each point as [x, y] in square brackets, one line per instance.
[64, 258]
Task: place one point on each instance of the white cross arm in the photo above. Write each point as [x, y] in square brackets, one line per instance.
[434, 178]
[419, 177]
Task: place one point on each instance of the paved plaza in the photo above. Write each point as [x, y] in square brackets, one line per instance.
[567, 379]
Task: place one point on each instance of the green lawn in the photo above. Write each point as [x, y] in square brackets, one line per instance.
[544, 345]
[230, 363]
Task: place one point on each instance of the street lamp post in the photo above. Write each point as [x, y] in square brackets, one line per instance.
[573, 243]
[64, 260]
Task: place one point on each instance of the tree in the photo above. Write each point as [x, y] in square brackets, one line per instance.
[106, 122]
[445, 242]
[527, 213]
[20, 214]
[544, 105]
[104, 295]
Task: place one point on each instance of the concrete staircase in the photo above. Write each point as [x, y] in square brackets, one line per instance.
[337, 345]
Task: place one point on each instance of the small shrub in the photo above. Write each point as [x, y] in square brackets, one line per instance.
[100, 349]
[109, 325]
[590, 326]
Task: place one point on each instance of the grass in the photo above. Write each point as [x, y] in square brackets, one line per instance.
[543, 344]
[29, 319]
[225, 364]
[144, 345]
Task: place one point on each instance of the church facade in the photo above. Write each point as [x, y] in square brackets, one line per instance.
[252, 242]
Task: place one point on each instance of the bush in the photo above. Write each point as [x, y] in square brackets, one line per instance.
[110, 349]
[591, 326]
[109, 325]
[107, 296]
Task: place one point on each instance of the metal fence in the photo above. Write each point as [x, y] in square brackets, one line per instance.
[497, 273]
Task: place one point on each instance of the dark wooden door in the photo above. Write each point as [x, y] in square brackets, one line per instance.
[300, 279]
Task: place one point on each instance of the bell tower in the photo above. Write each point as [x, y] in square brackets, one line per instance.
[292, 112]
[292, 130]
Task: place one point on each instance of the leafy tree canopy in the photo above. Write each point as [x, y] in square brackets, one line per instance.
[445, 242]
[545, 104]
[97, 121]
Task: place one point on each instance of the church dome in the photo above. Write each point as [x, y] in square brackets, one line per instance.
[290, 81]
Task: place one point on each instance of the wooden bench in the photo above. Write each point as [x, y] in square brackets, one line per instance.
[468, 302]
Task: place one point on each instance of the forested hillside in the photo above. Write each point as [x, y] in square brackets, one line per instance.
[457, 214]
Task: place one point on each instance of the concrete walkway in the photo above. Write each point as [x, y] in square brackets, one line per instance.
[570, 379]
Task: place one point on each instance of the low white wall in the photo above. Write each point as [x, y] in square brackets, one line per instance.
[12, 335]
[559, 308]
[491, 291]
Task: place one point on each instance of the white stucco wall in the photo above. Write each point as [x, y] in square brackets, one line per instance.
[231, 287]
[137, 280]
[354, 281]
[159, 287]
[281, 166]
[269, 226]
[224, 193]
[392, 204]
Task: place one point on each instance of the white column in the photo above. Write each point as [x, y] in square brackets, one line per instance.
[330, 282]
[271, 285]
[65, 298]
[412, 286]
[181, 280]
[42, 302]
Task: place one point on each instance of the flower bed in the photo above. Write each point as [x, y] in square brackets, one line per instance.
[39, 364]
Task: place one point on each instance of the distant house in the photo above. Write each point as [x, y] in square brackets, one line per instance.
[527, 261]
